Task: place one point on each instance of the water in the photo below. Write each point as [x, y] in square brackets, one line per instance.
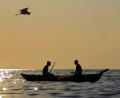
[12, 85]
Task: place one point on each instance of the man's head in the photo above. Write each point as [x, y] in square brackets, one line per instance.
[48, 63]
[76, 62]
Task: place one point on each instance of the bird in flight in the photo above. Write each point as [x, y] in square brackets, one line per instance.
[24, 11]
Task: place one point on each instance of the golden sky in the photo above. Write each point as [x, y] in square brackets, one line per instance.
[60, 31]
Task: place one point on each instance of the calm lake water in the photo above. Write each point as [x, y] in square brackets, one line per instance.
[12, 85]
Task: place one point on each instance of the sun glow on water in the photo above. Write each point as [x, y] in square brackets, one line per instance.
[5, 75]
[15, 82]
[4, 89]
[35, 88]
[23, 81]
[1, 96]
[1, 79]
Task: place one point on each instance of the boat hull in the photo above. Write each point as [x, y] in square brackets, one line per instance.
[72, 78]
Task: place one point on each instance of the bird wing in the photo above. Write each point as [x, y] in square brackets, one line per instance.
[24, 10]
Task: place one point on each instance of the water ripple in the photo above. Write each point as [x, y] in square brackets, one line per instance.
[17, 87]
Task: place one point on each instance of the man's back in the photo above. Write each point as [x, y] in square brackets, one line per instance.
[78, 69]
[45, 70]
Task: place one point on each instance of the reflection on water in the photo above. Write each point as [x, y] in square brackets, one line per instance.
[1, 96]
[35, 88]
[3, 88]
[12, 85]
[0, 79]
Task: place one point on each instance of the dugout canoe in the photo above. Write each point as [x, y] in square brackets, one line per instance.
[72, 78]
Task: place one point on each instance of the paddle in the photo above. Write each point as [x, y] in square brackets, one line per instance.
[52, 67]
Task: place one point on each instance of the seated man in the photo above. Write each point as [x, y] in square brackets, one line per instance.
[78, 71]
[45, 70]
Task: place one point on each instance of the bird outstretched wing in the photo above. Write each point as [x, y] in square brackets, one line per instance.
[24, 10]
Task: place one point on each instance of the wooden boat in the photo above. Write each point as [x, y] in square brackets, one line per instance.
[72, 78]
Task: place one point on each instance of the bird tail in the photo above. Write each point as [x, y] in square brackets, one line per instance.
[17, 14]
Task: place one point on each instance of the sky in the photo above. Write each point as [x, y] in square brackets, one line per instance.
[60, 31]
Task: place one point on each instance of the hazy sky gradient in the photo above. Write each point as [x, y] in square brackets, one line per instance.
[60, 31]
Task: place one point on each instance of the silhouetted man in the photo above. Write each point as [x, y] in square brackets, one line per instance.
[45, 69]
[78, 71]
